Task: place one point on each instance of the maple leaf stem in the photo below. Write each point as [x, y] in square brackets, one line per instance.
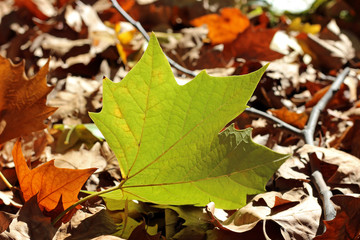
[62, 214]
[7, 183]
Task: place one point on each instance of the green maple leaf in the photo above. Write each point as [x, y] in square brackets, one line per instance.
[166, 136]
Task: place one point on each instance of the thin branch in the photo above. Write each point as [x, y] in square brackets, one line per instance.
[320, 106]
[317, 177]
[275, 119]
[138, 26]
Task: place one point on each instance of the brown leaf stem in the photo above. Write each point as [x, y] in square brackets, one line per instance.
[7, 183]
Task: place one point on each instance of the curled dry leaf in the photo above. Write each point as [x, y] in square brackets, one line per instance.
[294, 214]
[51, 184]
[22, 101]
[347, 176]
[30, 223]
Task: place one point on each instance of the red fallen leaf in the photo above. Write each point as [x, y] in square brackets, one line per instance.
[225, 27]
[346, 224]
[337, 100]
[22, 101]
[296, 119]
[49, 182]
[253, 44]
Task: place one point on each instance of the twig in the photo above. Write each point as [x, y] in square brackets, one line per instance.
[317, 177]
[275, 119]
[138, 26]
[320, 106]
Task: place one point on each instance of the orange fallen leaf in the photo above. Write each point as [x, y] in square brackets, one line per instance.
[223, 28]
[49, 182]
[296, 119]
[22, 101]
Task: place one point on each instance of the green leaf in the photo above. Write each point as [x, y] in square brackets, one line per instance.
[165, 136]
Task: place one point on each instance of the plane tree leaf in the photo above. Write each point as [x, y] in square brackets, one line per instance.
[56, 188]
[165, 136]
[22, 100]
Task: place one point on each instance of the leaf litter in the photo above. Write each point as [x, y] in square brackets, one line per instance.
[82, 52]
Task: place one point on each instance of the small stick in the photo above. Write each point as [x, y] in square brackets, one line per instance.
[275, 119]
[317, 177]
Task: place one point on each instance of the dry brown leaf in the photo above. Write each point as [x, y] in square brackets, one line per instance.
[30, 223]
[22, 100]
[296, 119]
[326, 52]
[346, 224]
[87, 224]
[294, 214]
[81, 159]
[253, 44]
[347, 176]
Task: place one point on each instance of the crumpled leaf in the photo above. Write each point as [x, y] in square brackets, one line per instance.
[165, 136]
[22, 100]
[347, 175]
[30, 223]
[223, 28]
[330, 50]
[294, 214]
[51, 184]
[346, 224]
[87, 224]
